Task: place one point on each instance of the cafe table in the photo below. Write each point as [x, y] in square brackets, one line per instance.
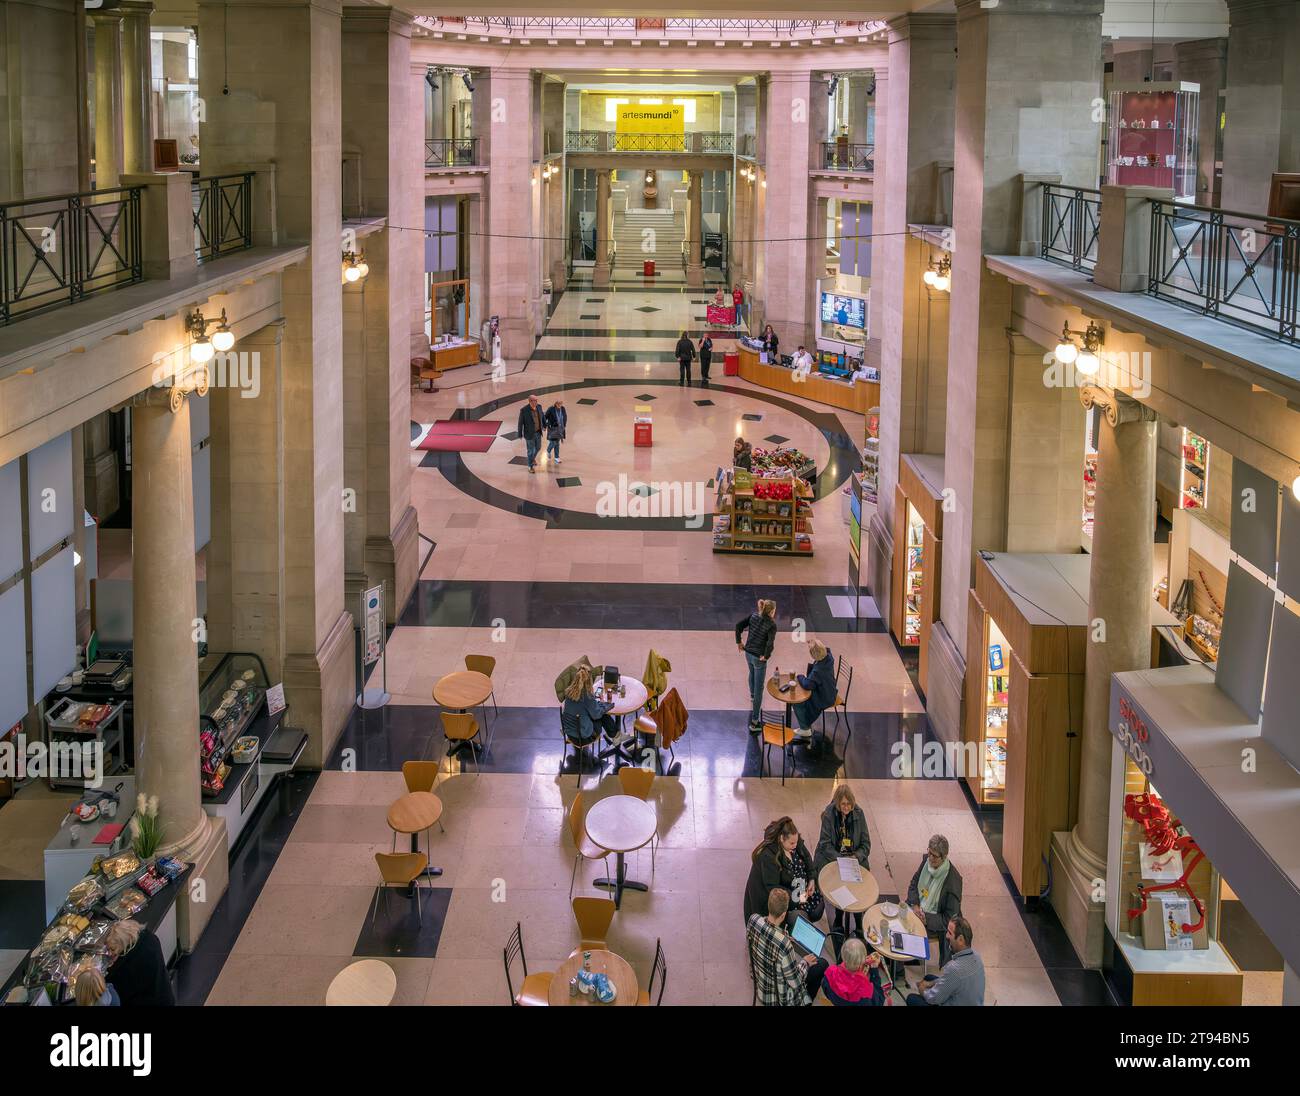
[864, 893]
[461, 691]
[871, 926]
[795, 694]
[618, 970]
[621, 824]
[411, 813]
[633, 699]
[366, 982]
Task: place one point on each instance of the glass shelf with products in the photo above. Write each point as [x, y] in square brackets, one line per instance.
[1152, 138]
[1091, 427]
[1194, 475]
[914, 579]
[997, 683]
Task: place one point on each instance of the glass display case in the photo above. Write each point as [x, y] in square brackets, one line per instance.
[996, 715]
[914, 578]
[1194, 477]
[231, 697]
[1152, 137]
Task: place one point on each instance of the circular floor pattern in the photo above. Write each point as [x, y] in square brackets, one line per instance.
[638, 488]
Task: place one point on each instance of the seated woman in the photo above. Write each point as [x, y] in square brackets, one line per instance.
[820, 681]
[90, 990]
[935, 893]
[138, 971]
[782, 860]
[844, 833]
[583, 716]
[855, 979]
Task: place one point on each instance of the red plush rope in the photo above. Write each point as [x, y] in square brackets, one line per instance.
[1161, 830]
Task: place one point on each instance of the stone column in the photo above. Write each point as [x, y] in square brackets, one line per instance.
[1205, 62]
[694, 232]
[514, 291]
[285, 58]
[917, 107]
[1263, 100]
[601, 274]
[796, 119]
[1002, 127]
[137, 87]
[108, 98]
[1119, 613]
[376, 46]
[165, 652]
[880, 165]
[556, 229]
[418, 123]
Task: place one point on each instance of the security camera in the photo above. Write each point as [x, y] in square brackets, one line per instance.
[469, 84]
[429, 79]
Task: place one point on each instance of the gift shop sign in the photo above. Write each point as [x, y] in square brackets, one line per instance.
[1131, 732]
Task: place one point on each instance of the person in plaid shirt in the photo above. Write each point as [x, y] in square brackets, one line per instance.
[780, 976]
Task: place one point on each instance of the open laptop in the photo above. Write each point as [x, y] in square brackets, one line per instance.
[808, 938]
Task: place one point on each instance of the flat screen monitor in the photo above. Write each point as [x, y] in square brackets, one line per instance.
[846, 311]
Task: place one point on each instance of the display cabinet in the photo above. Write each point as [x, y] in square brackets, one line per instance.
[1152, 137]
[1194, 475]
[918, 529]
[767, 515]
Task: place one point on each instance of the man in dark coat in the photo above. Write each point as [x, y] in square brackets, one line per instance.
[706, 358]
[532, 423]
[685, 352]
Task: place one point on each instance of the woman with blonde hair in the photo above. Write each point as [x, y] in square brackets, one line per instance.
[91, 989]
[757, 649]
[843, 833]
[855, 979]
[138, 971]
[583, 716]
[820, 682]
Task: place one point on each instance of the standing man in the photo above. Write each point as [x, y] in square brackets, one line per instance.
[802, 364]
[738, 300]
[685, 352]
[757, 649]
[531, 423]
[706, 357]
[557, 419]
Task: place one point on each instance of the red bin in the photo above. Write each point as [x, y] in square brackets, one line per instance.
[648, 268]
[641, 434]
[731, 364]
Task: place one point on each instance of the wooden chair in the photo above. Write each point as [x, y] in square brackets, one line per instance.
[536, 988]
[420, 776]
[775, 733]
[399, 869]
[842, 686]
[638, 782]
[585, 847]
[423, 369]
[594, 916]
[658, 973]
[485, 664]
[461, 727]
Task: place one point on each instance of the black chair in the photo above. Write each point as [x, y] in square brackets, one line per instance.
[569, 729]
[841, 703]
[536, 987]
[658, 973]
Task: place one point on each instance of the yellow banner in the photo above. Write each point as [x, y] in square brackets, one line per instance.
[649, 128]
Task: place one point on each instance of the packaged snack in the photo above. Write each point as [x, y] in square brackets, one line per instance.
[150, 882]
[49, 967]
[75, 921]
[84, 895]
[170, 867]
[124, 863]
[83, 963]
[128, 903]
[93, 938]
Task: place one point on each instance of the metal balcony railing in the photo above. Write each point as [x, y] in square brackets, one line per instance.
[451, 152]
[1238, 267]
[603, 140]
[1071, 220]
[58, 250]
[631, 27]
[223, 215]
[843, 156]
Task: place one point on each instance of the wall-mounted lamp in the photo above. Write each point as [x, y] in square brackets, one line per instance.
[1085, 360]
[354, 266]
[1295, 487]
[204, 345]
[939, 276]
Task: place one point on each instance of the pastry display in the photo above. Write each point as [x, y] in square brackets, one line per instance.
[115, 867]
[85, 894]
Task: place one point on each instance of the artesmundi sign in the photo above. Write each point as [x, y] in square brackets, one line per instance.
[638, 121]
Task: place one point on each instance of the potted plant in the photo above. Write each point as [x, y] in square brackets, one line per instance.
[146, 829]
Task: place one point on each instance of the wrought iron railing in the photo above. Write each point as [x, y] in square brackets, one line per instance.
[647, 27]
[1237, 267]
[223, 215]
[844, 156]
[59, 250]
[604, 140]
[1071, 219]
[451, 152]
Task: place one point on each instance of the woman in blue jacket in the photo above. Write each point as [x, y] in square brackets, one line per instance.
[583, 715]
[820, 681]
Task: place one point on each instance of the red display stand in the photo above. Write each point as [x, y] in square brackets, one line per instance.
[641, 434]
[648, 268]
[731, 364]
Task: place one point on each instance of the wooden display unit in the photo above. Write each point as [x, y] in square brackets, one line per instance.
[773, 527]
[1194, 474]
[464, 351]
[859, 396]
[1024, 720]
[918, 527]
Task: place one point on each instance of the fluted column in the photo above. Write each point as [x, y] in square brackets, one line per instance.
[694, 231]
[1119, 639]
[137, 81]
[600, 276]
[166, 684]
[108, 98]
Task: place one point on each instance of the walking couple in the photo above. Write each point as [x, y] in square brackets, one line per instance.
[534, 422]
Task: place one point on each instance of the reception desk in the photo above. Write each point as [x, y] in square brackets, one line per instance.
[453, 355]
[859, 396]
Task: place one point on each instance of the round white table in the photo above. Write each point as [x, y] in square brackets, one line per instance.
[367, 982]
[621, 824]
[635, 695]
